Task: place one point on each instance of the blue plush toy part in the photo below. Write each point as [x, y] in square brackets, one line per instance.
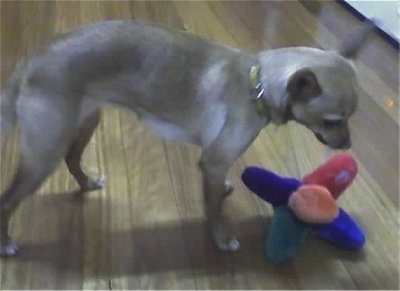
[287, 232]
[343, 232]
[269, 186]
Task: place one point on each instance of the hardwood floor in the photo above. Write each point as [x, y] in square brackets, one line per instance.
[145, 229]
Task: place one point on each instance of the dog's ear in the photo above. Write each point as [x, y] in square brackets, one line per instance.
[352, 42]
[303, 85]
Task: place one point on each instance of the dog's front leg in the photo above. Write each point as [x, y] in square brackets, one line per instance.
[215, 162]
[215, 191]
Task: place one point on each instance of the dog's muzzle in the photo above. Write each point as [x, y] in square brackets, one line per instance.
[344, 144]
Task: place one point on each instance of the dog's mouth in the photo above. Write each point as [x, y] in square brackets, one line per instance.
[320, 138]
[344, 144]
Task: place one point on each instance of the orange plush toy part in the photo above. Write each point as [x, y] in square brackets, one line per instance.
[313, 204]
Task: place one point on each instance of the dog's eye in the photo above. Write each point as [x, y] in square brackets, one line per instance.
[332, 122]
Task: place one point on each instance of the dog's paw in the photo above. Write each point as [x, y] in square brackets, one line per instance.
[228, 245]
[8, 250]
[93, 185]
[224, 239]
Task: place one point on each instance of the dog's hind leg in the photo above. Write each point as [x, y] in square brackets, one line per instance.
[47, 127]
[75, 151]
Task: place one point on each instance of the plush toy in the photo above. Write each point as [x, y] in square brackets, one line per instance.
[301, 207]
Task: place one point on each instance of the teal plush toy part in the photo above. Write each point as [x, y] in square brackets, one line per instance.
[286, 234]
[307, 206]
[291, 223]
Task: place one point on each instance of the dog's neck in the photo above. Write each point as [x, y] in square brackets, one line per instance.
[263, 96]
[257, 90]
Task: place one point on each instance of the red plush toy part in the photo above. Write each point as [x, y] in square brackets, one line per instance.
[313, 204]
[336, 174]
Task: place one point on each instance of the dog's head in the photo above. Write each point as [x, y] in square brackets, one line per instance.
[323, 99]
[324, 96]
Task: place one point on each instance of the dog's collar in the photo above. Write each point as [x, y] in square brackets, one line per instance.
[257, 89]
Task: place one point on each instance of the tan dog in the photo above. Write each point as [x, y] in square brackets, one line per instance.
[185, 87]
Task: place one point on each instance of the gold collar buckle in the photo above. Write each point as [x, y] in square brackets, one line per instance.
[257, 90]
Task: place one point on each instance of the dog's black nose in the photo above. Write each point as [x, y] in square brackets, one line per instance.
[346, 144]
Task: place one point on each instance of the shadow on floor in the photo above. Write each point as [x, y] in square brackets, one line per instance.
[67, 244]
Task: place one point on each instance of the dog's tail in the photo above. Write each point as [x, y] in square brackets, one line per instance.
[8, 101]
